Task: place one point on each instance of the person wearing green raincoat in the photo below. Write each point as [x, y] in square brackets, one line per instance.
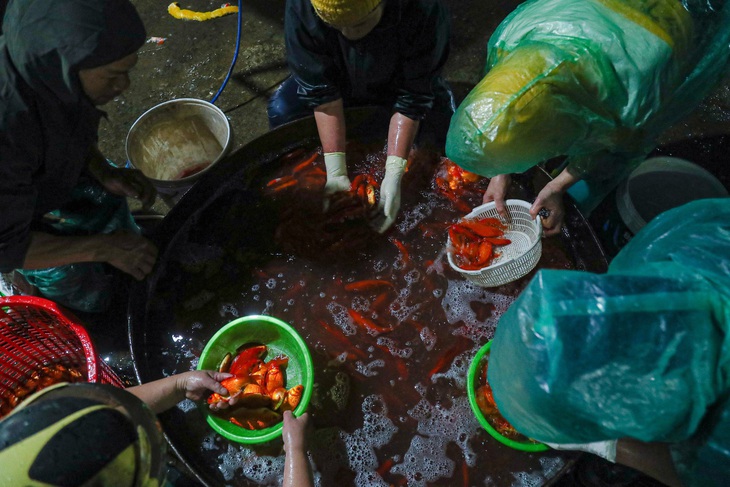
[591, 84]
[634, 364]
[63, 215]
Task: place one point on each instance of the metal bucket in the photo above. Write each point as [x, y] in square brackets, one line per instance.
[176, 142]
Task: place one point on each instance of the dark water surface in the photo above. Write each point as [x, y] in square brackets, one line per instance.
[389, 405]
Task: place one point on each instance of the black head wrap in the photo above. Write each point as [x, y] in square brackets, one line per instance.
[50, 41]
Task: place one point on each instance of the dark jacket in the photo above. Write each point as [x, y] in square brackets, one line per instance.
[47, 123]
[398, 63]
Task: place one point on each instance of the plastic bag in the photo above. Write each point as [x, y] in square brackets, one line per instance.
[85, 286]
[595, 80]
[642, 351]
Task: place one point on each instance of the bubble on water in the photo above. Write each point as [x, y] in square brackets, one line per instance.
[438, 292]
[399, 264]
[411, 218]
[290, 302]
[393, 348]
[264, 470]
[208, 442]
[501, 303]
[186, 406]
[377, 431]
[271, 283]
[439, 264]
[338, 360]
[341, 318]
[477, 332]
[228, 308]
[459, 295]
[268, 305]
[428, 338]
[368, 370]
[197, 326]
[360, 303]
[413, 276]
[340, 391]
[255, 287]
[551, 465]
[256, 297]
[231, 461]
[456, 424]
[528, 479]
[401, 311]
[379, 265]
[425, 461]
[322, 294]
[280, 275]
[458, 369]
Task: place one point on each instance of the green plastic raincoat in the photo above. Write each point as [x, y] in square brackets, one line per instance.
[642, 351]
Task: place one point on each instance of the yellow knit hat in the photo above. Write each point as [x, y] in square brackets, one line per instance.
[344, 13]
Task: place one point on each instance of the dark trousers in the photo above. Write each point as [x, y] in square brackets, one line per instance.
[286, 106]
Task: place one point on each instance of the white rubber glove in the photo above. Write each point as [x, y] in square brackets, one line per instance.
[337, 179]
[604, 449]
[389, 203]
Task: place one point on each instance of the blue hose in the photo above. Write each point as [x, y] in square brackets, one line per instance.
[235, 56]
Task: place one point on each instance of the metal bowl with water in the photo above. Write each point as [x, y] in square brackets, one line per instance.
[176, 142]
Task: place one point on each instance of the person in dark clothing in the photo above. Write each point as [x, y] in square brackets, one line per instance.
[358, 53]
[63, 215]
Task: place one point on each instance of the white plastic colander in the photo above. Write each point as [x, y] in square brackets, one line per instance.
[517, 258]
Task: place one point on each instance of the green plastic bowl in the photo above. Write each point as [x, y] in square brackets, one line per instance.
[280, 338]
[471, 379]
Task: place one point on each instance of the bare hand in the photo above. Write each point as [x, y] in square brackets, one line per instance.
[130, 253]
[497, 192]
[197, 384]
[226, 402]
[128, 182]
[294, 432]
[552, 201]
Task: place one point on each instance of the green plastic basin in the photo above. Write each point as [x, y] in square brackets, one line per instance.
[471, 383]
[281, 339]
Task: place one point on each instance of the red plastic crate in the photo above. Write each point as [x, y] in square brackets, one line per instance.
[35, 333]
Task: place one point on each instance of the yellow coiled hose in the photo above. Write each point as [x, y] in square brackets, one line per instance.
[184, 14]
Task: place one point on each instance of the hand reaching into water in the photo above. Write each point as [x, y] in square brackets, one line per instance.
[390, 190]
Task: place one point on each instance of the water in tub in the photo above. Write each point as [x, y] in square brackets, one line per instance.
[178, 148]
